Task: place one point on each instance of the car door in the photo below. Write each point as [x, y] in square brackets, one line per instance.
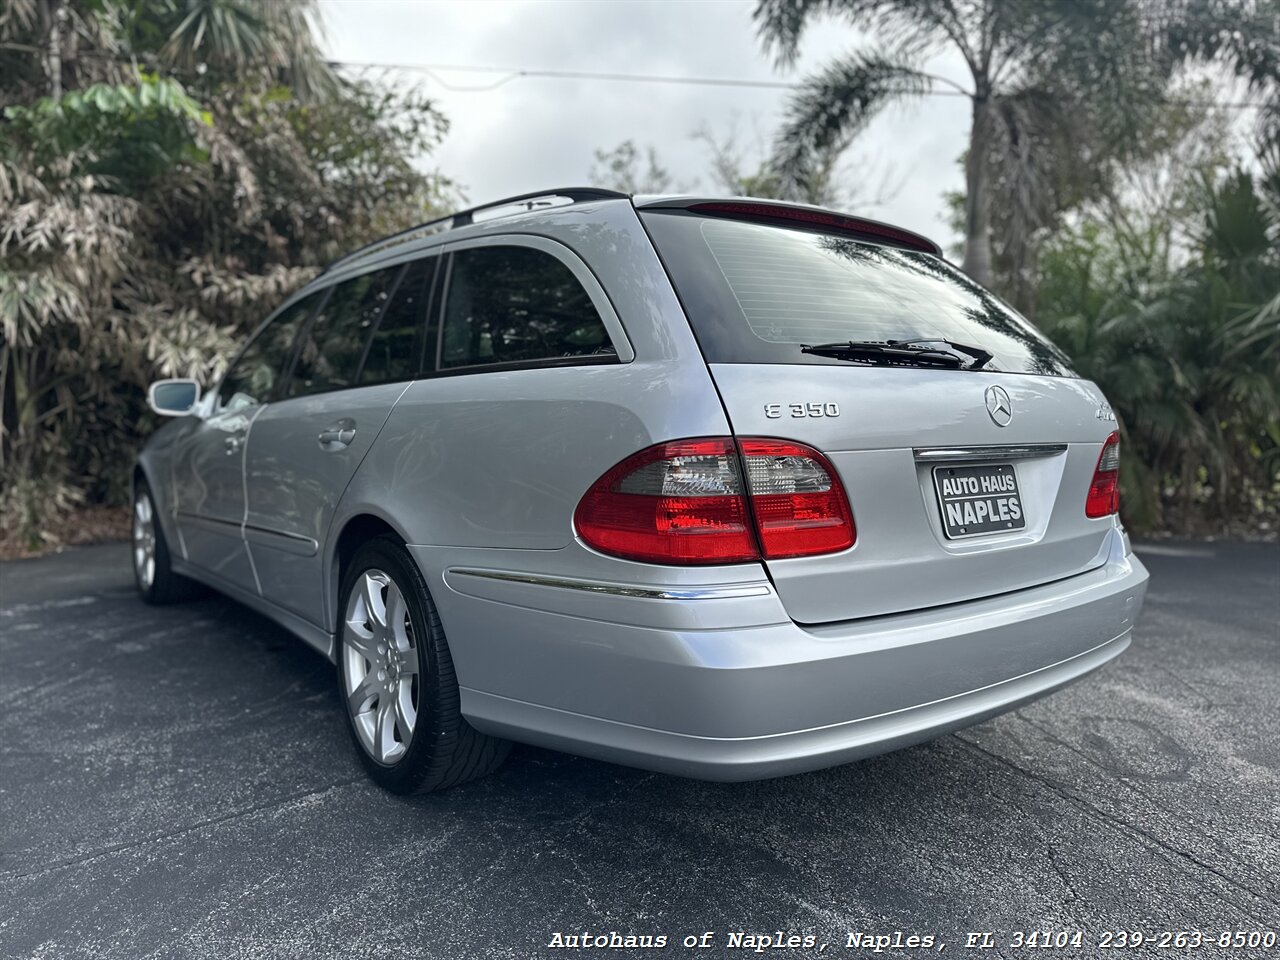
[355, 360]
[209, 466]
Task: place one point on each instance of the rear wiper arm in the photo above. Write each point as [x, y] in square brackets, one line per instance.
[904, 352]
[980, 357]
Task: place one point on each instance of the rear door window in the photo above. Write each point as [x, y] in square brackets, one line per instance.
[395, 349]
[513, 304]
[331, 350]
[755, 293]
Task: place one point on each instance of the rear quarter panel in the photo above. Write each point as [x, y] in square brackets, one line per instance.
[485, 469]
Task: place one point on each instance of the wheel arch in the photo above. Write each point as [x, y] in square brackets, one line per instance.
[164, 514]
[354, 530]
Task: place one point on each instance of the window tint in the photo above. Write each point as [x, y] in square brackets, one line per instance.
[254, 376]
[396, 346]
[755, 293]
[332, 347]
[513, 304]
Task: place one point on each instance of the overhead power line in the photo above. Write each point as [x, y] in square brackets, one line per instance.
[518, 73]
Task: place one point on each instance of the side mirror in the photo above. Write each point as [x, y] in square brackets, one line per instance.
[173, 398]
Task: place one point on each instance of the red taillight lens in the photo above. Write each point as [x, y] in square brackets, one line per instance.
[687, 503]
[800, 508]
[672, 503]
[1104, 491]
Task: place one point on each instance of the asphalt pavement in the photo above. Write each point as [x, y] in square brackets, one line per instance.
[176, 782]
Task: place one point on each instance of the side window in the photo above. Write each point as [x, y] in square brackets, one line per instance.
[253, 377]
[512, 304]
[329, 358]
[396, 345]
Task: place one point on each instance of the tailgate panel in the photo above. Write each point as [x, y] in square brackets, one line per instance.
[889, 423]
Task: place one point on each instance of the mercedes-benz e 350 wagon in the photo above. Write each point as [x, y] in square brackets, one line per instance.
[723, 488]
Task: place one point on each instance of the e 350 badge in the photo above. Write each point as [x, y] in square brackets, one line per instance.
[775, 411]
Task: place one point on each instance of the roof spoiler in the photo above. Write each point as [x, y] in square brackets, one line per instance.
[779, 212]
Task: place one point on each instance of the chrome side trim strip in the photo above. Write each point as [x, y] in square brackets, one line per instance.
[621, 589]
[228, 528]
[956, 454]
[282, 540]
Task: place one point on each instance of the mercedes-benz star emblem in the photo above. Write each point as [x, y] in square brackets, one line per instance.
[998, 406]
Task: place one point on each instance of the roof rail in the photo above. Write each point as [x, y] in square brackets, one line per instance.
[466, 217]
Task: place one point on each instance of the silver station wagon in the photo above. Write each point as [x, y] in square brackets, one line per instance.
[723, 488]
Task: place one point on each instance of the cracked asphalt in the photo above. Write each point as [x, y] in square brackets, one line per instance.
[176, 782]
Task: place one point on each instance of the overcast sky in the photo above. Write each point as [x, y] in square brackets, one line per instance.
[529, 133]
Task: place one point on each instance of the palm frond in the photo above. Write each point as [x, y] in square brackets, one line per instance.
[837, 104]
[910, 27]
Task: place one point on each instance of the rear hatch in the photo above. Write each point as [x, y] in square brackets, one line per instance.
[965, 479]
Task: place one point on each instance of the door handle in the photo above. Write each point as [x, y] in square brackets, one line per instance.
[339, 435]
[233, 444]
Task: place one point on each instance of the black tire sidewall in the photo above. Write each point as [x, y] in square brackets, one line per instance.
[429, 738]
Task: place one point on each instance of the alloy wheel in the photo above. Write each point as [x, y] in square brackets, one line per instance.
[144, 540]
[380, 654]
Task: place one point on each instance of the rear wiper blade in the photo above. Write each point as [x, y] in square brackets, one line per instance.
[904, 352]
[980, 357]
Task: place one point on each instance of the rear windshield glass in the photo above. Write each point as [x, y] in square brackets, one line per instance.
[754, 293]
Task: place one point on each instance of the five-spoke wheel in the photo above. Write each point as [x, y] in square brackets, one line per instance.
[395, 675]
[144, 539]
[381, 666]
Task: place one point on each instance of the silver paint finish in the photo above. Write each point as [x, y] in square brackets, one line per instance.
[208, 469]
[901, 560]
[779, 699]
[774, 755]
[671, 667]
[295, 481]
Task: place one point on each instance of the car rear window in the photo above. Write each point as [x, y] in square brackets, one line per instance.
[755, 293]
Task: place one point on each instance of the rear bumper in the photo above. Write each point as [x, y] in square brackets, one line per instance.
[735, 693]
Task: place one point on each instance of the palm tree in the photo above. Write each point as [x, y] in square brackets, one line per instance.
[1057, 88]
[276, 40]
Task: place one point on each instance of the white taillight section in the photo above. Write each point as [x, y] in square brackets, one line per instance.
[686, 503]
[799, 505]
[1104, 489]
[671, 503]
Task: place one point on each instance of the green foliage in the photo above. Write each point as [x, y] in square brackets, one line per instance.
[1186, 345]
[130, 132]
[160, 192]
[835, 105]
[1063, 94]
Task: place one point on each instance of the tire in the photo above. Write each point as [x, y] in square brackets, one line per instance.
[152, 571]
[395, 676]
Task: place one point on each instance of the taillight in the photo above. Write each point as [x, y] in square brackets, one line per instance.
[799, 506]
[687, 502]
[1104, 491]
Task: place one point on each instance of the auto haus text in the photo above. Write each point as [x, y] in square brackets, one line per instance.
[747, 941]
[968, 512]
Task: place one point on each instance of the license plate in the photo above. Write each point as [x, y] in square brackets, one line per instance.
[977, 500]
